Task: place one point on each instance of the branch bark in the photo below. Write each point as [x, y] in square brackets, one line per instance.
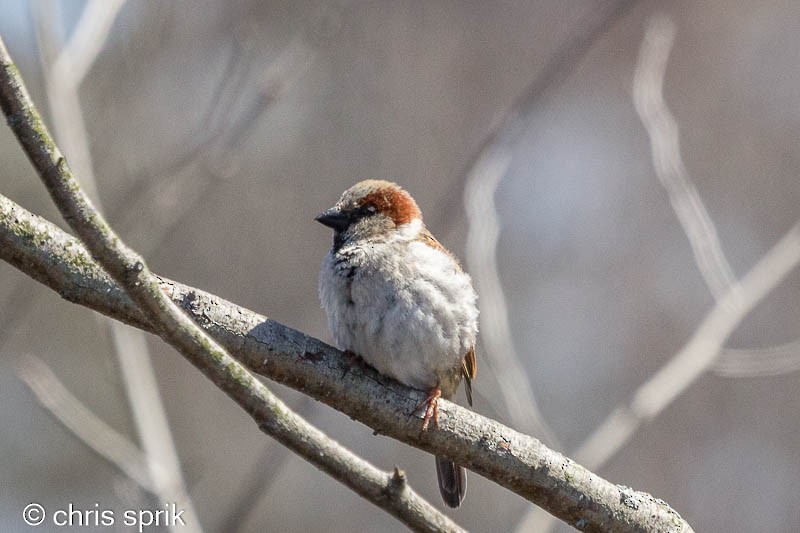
[516, 461]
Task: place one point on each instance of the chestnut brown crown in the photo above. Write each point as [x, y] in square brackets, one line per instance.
[371, 198]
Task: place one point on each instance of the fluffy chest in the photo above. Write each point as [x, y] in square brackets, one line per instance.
[406, 308]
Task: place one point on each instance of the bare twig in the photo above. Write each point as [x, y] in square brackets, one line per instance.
[698, 354]
[518, 462]
[772, 361]
[705, 349]
[690, 363]
[145, 291]
[479, 181]
[648, 97]
[64, 75]
[739, 297]
[220, 135]
[83, 423]
[505, 132]
[87, 40]
[151, 421]
[271, 462]
[734, 299]
[706, 344]
[481, 252]
[63, 78]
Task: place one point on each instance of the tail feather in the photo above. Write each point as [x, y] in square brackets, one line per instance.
[452, 482]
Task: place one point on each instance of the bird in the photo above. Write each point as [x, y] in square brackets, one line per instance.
[399, 300]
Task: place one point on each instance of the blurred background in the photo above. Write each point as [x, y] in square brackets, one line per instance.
[214, 132]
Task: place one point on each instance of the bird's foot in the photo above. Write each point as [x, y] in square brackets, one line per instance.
[431, 405]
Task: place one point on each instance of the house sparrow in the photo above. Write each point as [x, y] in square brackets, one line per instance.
[398, 299]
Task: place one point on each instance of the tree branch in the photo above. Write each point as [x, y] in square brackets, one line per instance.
[63, 77]
[388, 491]
[516, 461]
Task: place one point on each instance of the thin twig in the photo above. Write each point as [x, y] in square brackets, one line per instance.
[79, 54]
[219, 137]
[144, 289]
[481, 253]
[63, 78]
[269, 465]
[151, 421]
[648, 98]
[686, 366]
[704, 351]
[505, 132]
[697, 355]
[761, 362]
[82, 422]
[479, 181]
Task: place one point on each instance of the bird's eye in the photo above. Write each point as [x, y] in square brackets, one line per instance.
[371, 209]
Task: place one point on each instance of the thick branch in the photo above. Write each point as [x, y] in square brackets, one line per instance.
[518, 462]
[128, 269]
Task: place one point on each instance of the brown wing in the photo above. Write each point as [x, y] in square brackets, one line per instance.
[469, 368]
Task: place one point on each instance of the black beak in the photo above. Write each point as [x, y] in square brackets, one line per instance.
[333, 218]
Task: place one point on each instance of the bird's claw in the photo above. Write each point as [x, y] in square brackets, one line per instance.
[431, 405]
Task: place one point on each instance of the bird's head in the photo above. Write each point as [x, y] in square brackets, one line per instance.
[372, 210]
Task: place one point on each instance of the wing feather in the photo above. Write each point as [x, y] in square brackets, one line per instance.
[469, 368]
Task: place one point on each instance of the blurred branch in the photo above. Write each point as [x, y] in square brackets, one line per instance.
[222, 130]
[761, 362]
[64, 74]
[269, 465]
[739, 297]
[63, 78]
[144, 291]
[151, 420]
[690, 363]
[697, 355]
[479, 181]
[663, 131]
[83, 423]
[217, 149]
[558, 67]
[734, 299]
[648, 98]
[506, 131]
[88, 38]
[481, 252]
